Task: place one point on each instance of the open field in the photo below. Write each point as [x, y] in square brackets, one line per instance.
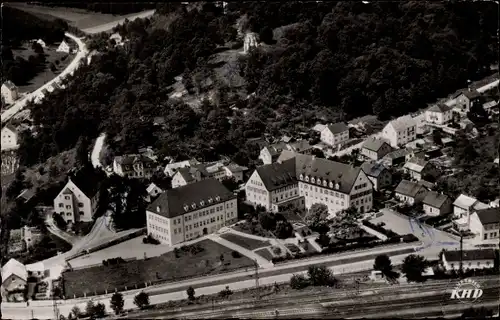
[163, 268]
[247, 243]
[51, 56]
[78, 18]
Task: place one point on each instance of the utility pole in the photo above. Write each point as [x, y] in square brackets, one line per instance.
[257, 279]
[461, 253]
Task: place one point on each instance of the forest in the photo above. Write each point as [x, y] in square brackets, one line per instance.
[23, 26]
[333, 60]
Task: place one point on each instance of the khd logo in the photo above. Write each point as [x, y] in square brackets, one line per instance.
[467, 291]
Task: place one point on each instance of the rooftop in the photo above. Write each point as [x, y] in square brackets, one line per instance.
[470, 255]
[464, 201]
[372, 168]
[402, 123]
[416, 164]
[87, 180]
[176, 202]
[399, 153]
[14, 267]
[489, 216]
[374, 144]
[440, 107]
[408, 188]
[435, 199]
[9, 84]
[130, 159]
[337, 127]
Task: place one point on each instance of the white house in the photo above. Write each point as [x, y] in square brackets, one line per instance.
[10, 92]
[14, 280]
[335, 134]
[439, 114]
[418, 168]
[191, 211]
[171, 168]
[400, 131]
[485, 224]
[410, 192]
[134, 166]
[303, 180]
[471, 259]
[78, 200]
[378, 174]
[436, 204]
[463, 207]
[216, 170]
[375, 148]
[9, 137]
[63, 47]
[465, 100]
[153, 191]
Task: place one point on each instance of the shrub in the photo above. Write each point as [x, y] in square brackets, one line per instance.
[277, 251]
[141, 300]
[225, 293]
[409, 238]
[235, 254]
[117, 302]
[299, 282]
[150, 239]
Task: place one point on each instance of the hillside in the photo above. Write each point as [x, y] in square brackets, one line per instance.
[324, 60]
[102, 7]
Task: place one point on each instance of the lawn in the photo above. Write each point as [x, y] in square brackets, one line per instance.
[251, 228]
[163, 268]
[264, 253]
[247, 243]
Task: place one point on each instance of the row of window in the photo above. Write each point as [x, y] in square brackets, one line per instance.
[493, 235]
[257, 183]
[470, 264]
[61, 205]
[361, 194]
[256, 190]
[357, 202]
[293, 193]
[361, 186]
[327, 192]
[157, 228]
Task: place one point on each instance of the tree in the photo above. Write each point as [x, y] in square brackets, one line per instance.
[76, 312]
[437, 136]
[267, 220]
[317, 215]
[383, 263]
[225, 293]
[266, 35]
[284, 229]
[100, 310]
[52, 67]
[298, 282]
[318, 153]
[117, 302]
[230, 183]
[190, 292]
[37, 48]
[413, 267]
[141, 300]
[90, 309]
[321, 276]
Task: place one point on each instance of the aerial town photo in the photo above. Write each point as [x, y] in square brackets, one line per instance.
[250, 160]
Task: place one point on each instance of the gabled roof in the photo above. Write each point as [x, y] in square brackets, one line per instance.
[10, 127]
[276, 148]
[372, 168]
[10, 85]
[464, 201]
[416, 164]
[233, 167]
[399, 153]
[300, 146]
[374, 144]
[435, 199]
[440, 107]
[402, 123]
[87, 181]
[176, 202]
[489, 216]
[151, 187]
[130, 159]
[338, 127]
[408, 188]
[14, 267]
[319, 127]
[471, 94]
[176, 165]
[490, 104]
[278, 175]
[469, 255]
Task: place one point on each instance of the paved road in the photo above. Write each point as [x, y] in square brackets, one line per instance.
[19, 105]
[111, 25]
[52, 228]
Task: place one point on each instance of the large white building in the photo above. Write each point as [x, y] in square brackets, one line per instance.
[439, 114]
[9, 137]
[485, 223]
[10, 92]
[335, 134]
[78, 200]
[400, 131]
[191, 211]
[303, 180]
[471, 259]
[463, 207]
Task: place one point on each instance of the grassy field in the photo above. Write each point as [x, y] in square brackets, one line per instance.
[264, 253]
[51, 56]
[247, 243]
[165, 267]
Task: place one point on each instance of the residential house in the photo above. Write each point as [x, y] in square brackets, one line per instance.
[78, 199]
[270, 154]
[440, 114]
[491, 107]
[394, 158]
[463, 207]
[302, 180]
[418, 168]
[410, 192]
[9, 137]
[485, 223]
[301, 146]
[10, 92]
[466, 99]
[134, 166]
[335, 134]
[378, 174]
[187, 175]
[63, 47]
[216, 170]
[172, 168]
[153, 191]
[191, 211]
[436, 204]
[375, 148]
[471, 259]
[14, 281]
[319, 127]
[400, 131]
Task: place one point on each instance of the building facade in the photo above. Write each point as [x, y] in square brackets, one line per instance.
[465, 100]
[10, 93]
[435, 204]
[375, 149]
[378, 174]
[75, 204]
[335, 134]
[485, 223]
[191, 211]
[471, 259]
[134, 166]
[400, 131]
[9, 138]
[410, 192]
[439, 114]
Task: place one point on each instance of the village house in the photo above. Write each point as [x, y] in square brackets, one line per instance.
[471, 259]
[440, 114]
[394, 158]
[335, 134]
[485, 224]
[191, 211]
[78, 199]
[14, 281]
[217, 170]
[491, 107]
[270, 154]
[418, 169]
[63, 47]
[463, 207]
[400, 131]
[375, 148]
[10, 92]
[153, 191]
[134, 166]
[303, 180]
[465, 100]
[171, 168]
[9, 137]
[436, 204]
[300, 146]
[187, 175]
[410, 192]
[378, 174]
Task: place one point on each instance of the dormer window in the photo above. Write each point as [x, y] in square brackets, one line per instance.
[307, 179]
[210, 200]
[193, 205]
[186, 207]
[318, 181]
[217, 198]
[202, 203]
[330, 184]
[337, 186]
[325, 183]
[301, 177]
[313, 180]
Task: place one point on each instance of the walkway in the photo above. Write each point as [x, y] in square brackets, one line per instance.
[19, 105]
